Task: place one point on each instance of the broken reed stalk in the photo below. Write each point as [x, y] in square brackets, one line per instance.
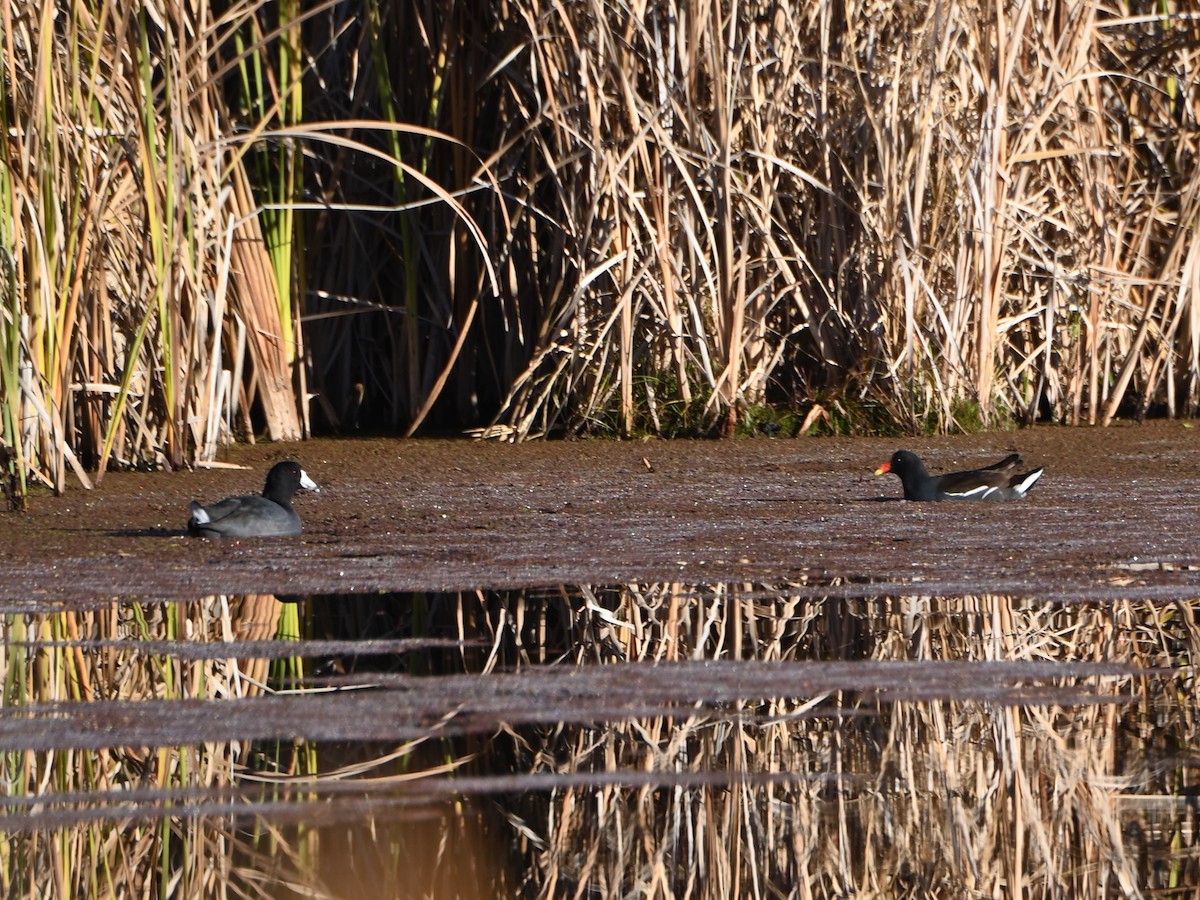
[269, 79]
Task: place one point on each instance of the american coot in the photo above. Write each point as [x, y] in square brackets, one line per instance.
[998, 481]
[270, 515]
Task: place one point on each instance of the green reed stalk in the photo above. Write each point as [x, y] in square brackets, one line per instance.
[161, 223]
[156, 241]
[279, 222]
[12, 444]
[388, 101]
[280, 176]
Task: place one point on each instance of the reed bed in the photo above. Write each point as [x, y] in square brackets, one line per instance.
[866, 793]
[141, 322]
[918, 204]
[935, 213]
[591, 217]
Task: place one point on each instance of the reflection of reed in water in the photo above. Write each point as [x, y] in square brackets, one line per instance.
[927, 778]
[83, 811]
[255, 617]
[921, 796]
[857, 744]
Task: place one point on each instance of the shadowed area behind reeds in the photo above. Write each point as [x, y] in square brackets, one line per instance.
[711, 740]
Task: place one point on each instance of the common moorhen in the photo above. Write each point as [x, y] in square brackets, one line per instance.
[998, 481]
[269, 515]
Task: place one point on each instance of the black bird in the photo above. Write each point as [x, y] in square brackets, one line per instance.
[269, 515]
[998, 481]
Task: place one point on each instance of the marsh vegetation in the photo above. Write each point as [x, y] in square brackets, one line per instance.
[562, 219]
[224, 222]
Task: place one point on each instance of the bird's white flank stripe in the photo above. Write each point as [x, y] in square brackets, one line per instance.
[1029, 482]
[985, 489]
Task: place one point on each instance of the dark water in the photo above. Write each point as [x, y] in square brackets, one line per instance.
[501, 743]
[1113, 518]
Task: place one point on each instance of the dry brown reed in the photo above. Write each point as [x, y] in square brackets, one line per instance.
[967, 213]
[139, 326]
[587, 217]
[974, 212]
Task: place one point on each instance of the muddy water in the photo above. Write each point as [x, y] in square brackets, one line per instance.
[1114, 516]
[603, 668]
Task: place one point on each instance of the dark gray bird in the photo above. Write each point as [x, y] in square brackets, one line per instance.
[998, 481]
[268, 515]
